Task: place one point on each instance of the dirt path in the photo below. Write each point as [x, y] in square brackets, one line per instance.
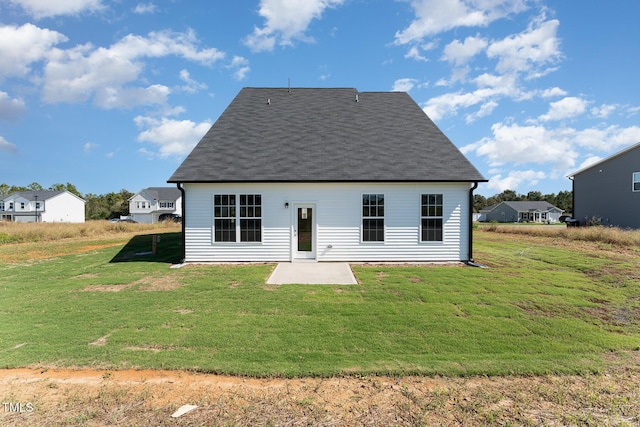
[130, 397]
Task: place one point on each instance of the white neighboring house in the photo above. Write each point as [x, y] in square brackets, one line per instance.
[148, 204]
[326, 175]
[42, 206]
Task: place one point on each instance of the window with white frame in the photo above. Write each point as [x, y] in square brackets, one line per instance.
[431, 216]
[373, 217]
[243, 224]
[636, 181]
[1, 206]
[166, 205]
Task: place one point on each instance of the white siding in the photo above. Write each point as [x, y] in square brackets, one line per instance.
[338, 222]
[64, 207]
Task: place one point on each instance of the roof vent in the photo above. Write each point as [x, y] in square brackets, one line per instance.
[357, 99]
[268, 101]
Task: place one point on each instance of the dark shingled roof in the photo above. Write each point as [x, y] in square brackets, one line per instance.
[40, 194]
[163, 193]
[324, 135]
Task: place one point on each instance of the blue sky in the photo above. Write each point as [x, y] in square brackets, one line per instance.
[114, 94]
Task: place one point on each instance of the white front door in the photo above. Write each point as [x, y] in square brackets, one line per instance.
[304, 235]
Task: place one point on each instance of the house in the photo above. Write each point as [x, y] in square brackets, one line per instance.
[290, 174]
[522, 211]
[149, 204]
[42, 206]
[608, 192]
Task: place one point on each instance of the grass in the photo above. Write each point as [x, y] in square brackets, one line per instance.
[547, 304]
[17, 232]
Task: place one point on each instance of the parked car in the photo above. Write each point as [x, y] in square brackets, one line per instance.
[123, 220]
[572, 222]
[170, 217]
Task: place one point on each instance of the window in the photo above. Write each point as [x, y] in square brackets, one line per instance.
[373, 217]
[636, 181]
[10, 206]
[1, 206]
[38, 205]
[166, 205]
[225, 217]
[250, 213]
[22, 205]
[248, 217]
[431, 213]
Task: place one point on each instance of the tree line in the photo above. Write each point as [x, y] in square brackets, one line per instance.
[562, 200]
[97, 206]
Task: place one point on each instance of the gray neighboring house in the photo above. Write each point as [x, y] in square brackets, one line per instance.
[608, 192]
[522, 211]
[326, 175]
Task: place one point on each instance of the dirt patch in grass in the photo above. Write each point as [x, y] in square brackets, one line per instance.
[106, 288]
[148, 397]
[163, 283]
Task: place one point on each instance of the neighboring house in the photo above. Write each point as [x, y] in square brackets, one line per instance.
[525, 211]
[42, 206]
[608, 192]
[149, 204]
[326, 175]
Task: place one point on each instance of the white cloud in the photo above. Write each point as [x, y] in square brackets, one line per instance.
[145, 8]
[490, 88]
[172, 137]
[603, 111]
[436, 16]
[566, 108]
[459, 53]
[48, 8]
[414, 53]
[108, 75]
[404, 85]
[191, 85]
[515, 179]
[7, 146]
[553, 92]
[89, 147]
[591, 160]
[11, 109]
[529, 51]
[485, 110]
[286, 20]
[558, 147]
[525, 144]
[22, 46]
[240, 66]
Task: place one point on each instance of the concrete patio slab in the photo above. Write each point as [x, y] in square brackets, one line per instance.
[312, 273]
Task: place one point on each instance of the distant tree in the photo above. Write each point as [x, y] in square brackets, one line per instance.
[564, 201]
[66, 187]
[534, 196]
[479, 202]
[34, 186]
[4, 189]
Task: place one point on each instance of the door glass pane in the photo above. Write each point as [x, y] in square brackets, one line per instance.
[305, 230]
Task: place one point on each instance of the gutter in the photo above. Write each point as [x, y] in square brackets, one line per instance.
[470, 260]
[184, 225]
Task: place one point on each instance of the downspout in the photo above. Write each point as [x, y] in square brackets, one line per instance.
[573, 197]
[470, 260]
[184, 225]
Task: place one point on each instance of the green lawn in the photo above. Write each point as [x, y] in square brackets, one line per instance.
[543, 306]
